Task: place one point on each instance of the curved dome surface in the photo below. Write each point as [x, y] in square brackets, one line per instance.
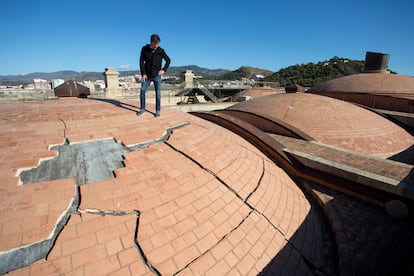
[256, 92]
[260, 91]
[333, 122]
[376, 83]
[197, 200]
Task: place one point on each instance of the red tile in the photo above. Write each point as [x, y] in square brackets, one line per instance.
[89, 255]
[74, 245]
[161, 254]
[104, 266]
[186, 256]
[111, 233]
[129, 256]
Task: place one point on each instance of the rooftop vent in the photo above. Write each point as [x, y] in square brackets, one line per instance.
[294, 88]
[376, 63]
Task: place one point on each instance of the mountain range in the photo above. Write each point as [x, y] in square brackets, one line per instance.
[79, 76]
[303, 74]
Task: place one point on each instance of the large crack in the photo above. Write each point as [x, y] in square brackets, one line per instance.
[87, 162]
[245, 201]
[137, 214]
[258, 182]
[20, 257]
[161, 140]
[218, 178]
[64, 129]
[208, 171]
[218, 242]
[25, 255]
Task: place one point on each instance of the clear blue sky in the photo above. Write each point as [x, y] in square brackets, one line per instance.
[90, 35]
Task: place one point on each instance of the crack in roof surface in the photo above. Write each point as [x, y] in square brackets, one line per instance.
[86, 162]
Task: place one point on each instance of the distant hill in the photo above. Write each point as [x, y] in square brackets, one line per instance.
[66, 75]
[178, 70]
[304, 74]
[80, 76]
[312, 73]
[246, 72]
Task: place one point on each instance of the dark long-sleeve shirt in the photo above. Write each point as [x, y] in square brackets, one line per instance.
[150, 61]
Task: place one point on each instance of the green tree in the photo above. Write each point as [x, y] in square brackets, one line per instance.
[310, 74]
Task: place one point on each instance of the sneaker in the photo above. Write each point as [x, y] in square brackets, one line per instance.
[157, 114]
[140, 112]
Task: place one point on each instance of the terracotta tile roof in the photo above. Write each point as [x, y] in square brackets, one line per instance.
[256, 92]
[204, 201]
[372, 83]
[333, 122]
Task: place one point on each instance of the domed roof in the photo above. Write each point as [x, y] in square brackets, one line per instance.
[333, 122]
[199, 199]
[375, 83]
[260, 91]
[255, 92]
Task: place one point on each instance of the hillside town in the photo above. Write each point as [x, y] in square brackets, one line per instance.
[123, 86]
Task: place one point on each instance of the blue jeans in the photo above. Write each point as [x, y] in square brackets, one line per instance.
[144, 86]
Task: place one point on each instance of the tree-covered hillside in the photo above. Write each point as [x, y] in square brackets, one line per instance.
[310, 74]
[246, 72]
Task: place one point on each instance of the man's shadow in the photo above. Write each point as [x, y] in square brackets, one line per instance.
[121, 104]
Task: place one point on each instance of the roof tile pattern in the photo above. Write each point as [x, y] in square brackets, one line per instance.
[203, 202]
[28, 214]
[256, 92]
[373, 83]
[333, 122]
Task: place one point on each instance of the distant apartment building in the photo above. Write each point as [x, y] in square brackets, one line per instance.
[56, 82]
[99, 85]
[41, 84]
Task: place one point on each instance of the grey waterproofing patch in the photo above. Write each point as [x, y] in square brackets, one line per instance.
[26, 255]
[86, 162]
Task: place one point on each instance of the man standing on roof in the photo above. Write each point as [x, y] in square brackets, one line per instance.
[150, 63]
